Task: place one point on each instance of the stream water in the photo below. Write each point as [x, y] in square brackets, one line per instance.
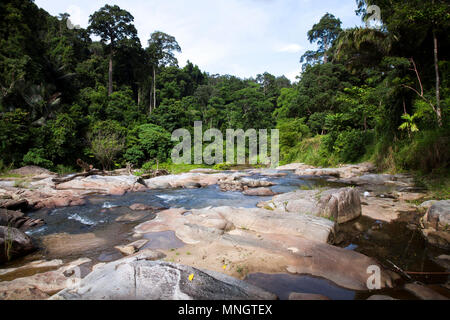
[383, 241]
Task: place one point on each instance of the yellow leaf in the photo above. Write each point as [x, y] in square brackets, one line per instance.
[224, 267]
[191, 277]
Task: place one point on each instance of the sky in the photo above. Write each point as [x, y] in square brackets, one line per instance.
[236, 37]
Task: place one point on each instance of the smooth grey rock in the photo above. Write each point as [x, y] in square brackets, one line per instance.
[138, 279]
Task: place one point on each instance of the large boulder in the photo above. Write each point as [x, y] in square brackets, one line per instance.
[437, 224]
[136, 278]
[340, 205]
[13, 244]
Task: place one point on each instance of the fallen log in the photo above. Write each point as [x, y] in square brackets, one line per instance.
[78, 175]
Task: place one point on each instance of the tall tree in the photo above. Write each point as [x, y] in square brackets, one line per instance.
[112, 24]
[161, 50]
[324, 33]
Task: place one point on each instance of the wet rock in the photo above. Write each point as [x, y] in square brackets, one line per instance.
[42, 285]
[133, 217]
[380, 297]
[13, 244]
[18, 220]
[423, 292]
[261, 192]
[140, 207]
[437, 224]
[340, 205]
[132, 248]
[135, 278]
[307, 296]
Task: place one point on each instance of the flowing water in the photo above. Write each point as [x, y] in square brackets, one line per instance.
[97, 220]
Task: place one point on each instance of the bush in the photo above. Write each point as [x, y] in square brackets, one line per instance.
[36, 157]
[428, 150]
[350, 146]
[151, 140]
[106, 146]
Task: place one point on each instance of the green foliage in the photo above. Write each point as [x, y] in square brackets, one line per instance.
[105, 147]
[350, 146]
[37, 157]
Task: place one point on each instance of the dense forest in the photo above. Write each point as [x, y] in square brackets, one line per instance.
[379, 94]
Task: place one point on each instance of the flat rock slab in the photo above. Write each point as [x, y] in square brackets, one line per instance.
[238, 241]
[139, 279]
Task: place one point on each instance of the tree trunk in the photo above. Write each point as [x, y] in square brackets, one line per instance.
[436, 67]
[154, 88]
[110, 75]
[150, 99]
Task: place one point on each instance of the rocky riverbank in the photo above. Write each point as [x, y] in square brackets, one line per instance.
[294, 233]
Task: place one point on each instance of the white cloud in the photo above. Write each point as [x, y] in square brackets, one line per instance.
[291, 48]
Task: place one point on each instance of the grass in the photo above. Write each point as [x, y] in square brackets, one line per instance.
[173, 168]
[437, 184]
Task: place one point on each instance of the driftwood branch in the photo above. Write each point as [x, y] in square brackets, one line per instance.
[84, 174]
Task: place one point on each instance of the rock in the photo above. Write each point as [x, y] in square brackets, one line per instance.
[132, 217]
[237, 183]
[295, 166]
[261, 192]
[43, 285]
[257, 240]
[438, 216]
[18, 220]
[13, 244]
[340, 205]
[19, 205]
[443, 260]
[437, 224]
[409, 196]
[31, 171]
[423, 292]
[137, 279]
[380, 297]
[307, 296]
[141, 207]
[386, 209]
[132, 248]
[427, 204]
[223, 219]
[204, 170]
[184, 180]
[30, 268]
[344, 172]
[358, 226]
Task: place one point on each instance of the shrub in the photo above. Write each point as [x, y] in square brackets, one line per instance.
[36, 157]
[105, 147]
[350, 146]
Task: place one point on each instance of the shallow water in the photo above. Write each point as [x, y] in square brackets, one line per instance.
[284, 284]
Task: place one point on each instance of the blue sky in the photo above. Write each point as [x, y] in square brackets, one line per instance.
[238, 37]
